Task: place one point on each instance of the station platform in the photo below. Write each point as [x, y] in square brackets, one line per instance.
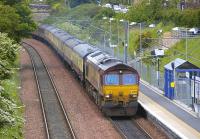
[179, 121]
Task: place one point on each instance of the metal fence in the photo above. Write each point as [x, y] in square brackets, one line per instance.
[148, 73]
[183, 91]
[187, 91]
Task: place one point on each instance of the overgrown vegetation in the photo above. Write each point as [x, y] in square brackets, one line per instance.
[179, 51]
[15, 19]
[157, 12]
[15, 24]
[11, 121]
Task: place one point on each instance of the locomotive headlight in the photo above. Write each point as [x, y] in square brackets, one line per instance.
[108, 96]
[132, 94]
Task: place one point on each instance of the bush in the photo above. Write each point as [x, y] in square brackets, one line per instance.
[8, 50]
[155, 12]
[145, 40]
[104, 12]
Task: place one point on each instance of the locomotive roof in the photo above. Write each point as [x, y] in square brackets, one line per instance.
[103, 60]
[77, 45]
[84, 49]
[99, 58]
[73, 42]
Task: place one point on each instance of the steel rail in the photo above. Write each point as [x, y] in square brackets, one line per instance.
[40, 96]
[139, 126]
[118, 129]
[129, 130]
[57, 94]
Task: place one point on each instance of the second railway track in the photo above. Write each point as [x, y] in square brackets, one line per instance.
[129, 129]
[56, 120]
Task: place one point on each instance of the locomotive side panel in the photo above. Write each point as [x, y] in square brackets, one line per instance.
[77, 63]
[93, 75]
[67, 53]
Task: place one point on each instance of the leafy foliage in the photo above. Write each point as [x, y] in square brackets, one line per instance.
[179, 51]
[16, 19]
[11, 2]
[104, 12]
[10, 114]
[75, 3]
[69, 3]
[157, 12]
[8, 51]
[82, 12]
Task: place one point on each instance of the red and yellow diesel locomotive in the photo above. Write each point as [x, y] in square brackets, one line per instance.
[113, 85]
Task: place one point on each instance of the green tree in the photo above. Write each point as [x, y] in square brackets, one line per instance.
[104, 12]
[11, 2]
[140, 13]
[26, 25]
[16, 19]
[155, 9]
[9, 20]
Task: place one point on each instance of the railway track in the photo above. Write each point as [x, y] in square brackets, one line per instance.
[56, 120]
[129, 129]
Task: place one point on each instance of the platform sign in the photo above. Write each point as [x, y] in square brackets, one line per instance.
[113, 45]
[172, 84]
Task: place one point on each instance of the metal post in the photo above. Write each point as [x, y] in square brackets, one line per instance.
[126, 41]
[140, 39]
[174, 70]
[158, 70]
[195, 100]
[104, 41]
[113, 53]
[118, 39]
[186, 45]
[140, 48]
[110, 33]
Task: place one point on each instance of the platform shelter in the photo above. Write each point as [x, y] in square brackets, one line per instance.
[182, 82]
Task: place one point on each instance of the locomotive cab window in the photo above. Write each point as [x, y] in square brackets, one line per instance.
[111, 79]
[129, 79]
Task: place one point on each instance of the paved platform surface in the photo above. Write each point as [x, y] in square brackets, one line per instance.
[178, 120]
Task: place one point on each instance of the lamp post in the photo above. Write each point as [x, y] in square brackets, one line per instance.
[67, 3]
[110, 34]
[104, 41]
[140, 50]
[159, 32]
[118, 55]
[140, 39]
[186, 43]
[110, 43]
[126, 40]
[140, 24]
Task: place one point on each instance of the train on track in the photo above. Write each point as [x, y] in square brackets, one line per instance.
[113, 85]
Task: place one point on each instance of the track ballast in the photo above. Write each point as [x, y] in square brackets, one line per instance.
[129, 129]
[57, 123]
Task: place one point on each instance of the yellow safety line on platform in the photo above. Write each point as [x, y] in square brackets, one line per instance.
[171, 121]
